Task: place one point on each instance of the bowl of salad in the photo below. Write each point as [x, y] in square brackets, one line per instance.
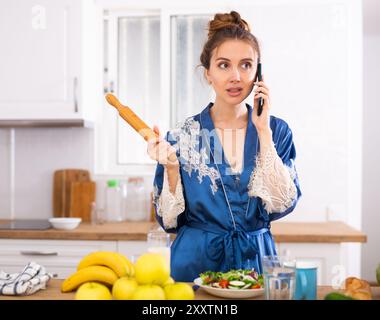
[234, 284]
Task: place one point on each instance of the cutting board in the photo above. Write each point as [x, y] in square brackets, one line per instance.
[81, 198]
[63, 180]
[152, 209]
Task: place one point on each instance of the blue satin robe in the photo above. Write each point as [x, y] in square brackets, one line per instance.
[208, 238]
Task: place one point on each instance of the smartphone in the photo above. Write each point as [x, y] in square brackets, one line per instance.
[259, 78]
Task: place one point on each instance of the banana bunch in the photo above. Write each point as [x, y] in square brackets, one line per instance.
[101, 266]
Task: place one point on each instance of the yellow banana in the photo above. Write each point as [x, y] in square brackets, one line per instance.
[92, 273]
[110, 259]
[129, 264]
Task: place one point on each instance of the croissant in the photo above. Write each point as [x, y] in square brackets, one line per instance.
[358, 289]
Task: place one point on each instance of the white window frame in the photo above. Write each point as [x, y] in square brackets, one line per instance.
[106, 152]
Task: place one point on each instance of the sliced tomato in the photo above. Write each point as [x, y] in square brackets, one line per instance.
[255, 286]
[224, 283]
[207, 280]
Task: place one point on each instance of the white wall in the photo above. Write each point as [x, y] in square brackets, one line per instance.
[311, 55]
[37, 154]
[371, 133]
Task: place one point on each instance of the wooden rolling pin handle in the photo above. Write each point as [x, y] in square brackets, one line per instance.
[134, 121]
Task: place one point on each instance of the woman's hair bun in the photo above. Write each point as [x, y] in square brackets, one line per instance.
[226, 20]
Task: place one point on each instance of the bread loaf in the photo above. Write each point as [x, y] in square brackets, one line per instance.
[358, 289]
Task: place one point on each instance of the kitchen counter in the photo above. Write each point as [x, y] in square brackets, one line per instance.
[317, 232]
[53, 292]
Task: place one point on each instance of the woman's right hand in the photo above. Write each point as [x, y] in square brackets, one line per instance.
[160, 150]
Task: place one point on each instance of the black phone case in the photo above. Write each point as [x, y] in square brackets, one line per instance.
[259, 78]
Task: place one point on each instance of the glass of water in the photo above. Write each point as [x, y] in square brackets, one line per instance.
[159, 242]
[279, 277]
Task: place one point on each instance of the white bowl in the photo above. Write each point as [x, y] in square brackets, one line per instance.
[65, 223]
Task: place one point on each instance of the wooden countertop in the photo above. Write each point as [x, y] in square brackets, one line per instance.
[317, 232]
[53, 292]
[86, 231]
[323, 232]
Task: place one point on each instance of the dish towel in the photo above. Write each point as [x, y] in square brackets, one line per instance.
[33, 278]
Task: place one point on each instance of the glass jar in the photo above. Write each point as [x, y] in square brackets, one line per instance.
[137, 200]
[97, 214]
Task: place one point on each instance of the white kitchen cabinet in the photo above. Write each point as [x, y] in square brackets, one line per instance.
[50, 60]
[327, 256]
[60, 257]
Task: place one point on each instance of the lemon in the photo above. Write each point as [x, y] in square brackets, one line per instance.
[123, 288]
[93, 291]
[179, 291]
[148, 292]
[151, 268]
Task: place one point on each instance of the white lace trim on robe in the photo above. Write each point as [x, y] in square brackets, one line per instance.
[273, 182]
[170, 206]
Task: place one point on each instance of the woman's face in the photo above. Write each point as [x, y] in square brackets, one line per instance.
[232, 70]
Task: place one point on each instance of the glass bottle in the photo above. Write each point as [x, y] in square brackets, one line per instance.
[113, 201]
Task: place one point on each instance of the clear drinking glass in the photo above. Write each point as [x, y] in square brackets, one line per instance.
[97, 214]
[159, 242]
[279, 277]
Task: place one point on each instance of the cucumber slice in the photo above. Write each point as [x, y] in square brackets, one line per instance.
[237, 283]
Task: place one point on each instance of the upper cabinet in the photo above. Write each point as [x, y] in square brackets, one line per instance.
[51, 60]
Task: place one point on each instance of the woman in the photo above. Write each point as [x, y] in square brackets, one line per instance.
[233, 171]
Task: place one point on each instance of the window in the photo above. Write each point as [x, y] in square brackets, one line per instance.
[138, 74]
[190, 91]
[151, 60]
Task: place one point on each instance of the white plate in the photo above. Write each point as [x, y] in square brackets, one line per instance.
[230, 293]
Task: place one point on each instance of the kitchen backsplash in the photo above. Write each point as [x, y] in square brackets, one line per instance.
[38, 153]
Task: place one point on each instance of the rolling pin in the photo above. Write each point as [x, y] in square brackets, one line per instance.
[135, 121]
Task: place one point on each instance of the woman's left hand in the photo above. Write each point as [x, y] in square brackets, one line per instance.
[261, 122]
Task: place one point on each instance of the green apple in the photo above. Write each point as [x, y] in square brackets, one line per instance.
[148, 292]
[169, 281]
[123, 288]
[179, 291]
[93, 291]
[152, 268]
